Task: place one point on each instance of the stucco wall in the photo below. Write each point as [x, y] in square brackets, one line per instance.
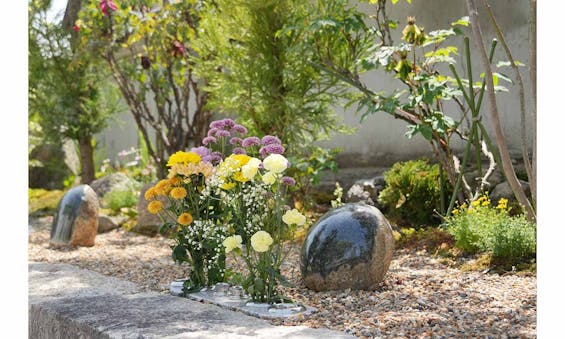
[380, 139]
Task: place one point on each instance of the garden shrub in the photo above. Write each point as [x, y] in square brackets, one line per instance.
[118, 199]
[483, 228]
[412, 192]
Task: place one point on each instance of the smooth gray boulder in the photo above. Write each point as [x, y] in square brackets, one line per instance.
[349, 247]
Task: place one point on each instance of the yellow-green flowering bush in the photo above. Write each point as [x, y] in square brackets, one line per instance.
[480, 227]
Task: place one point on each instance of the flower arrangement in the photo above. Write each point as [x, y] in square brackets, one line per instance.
[228, 196]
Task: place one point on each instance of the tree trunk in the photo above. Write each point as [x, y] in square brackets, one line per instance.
[86, 159]
[507, 166]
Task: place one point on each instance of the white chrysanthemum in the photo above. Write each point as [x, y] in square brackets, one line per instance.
[275, 163]
[250, 169]
[269, 178]
[294, 217]
[233, 242]
[261, 241]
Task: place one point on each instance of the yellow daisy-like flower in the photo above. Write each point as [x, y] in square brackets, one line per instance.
[184, 219]
[181, 157]
[502, 204]
[178, 193]
[238, 176]
[150, 194]
[155, 207]
[261, 241]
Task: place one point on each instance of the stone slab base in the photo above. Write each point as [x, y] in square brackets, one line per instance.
[68, 302]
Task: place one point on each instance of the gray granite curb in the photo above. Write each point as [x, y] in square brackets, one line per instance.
[68, 302]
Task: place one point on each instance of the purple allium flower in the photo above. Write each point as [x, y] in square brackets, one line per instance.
[217, 124]
[216, 156]
[212, 132]
[228, 123]
[239, 129]
[201, 151]
[208, 140]
[271, 149]
[235, 141]
[239, 150]
[222, 133]
[251, 141]
[270, 139]
[288, 181]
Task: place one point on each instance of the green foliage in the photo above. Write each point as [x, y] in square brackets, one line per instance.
[118, 199]
[412, 192]
[147, 46]
[483, 228]
[255, 58]
[67, 91]
[308, 169]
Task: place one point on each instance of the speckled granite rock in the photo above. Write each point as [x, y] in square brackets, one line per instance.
[76, 220]
[349, 247]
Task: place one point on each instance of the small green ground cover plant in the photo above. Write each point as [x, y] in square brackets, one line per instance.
[119, 200]
[479, 227]
[42, 201]
[412, 193]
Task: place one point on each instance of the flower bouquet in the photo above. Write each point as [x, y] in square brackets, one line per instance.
[228, 196]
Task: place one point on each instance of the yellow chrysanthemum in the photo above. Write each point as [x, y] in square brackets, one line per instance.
[261, 241]
[155, 207]
[178, 193]
[181, 157]
[294, 217]
[228, 185]
[238, 176]
[275, 163]
[233, 242]
[150, 194]
[269, 178]
[185, 219]
[187, 170]
[163, 187]
[250, 169]
[241, 159]
[175, 181]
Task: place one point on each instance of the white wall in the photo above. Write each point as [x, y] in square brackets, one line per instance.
[380, 139]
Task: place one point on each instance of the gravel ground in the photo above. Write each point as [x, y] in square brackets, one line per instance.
[419, 298]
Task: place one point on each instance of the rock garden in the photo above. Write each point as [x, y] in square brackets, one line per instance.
[229, 197]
